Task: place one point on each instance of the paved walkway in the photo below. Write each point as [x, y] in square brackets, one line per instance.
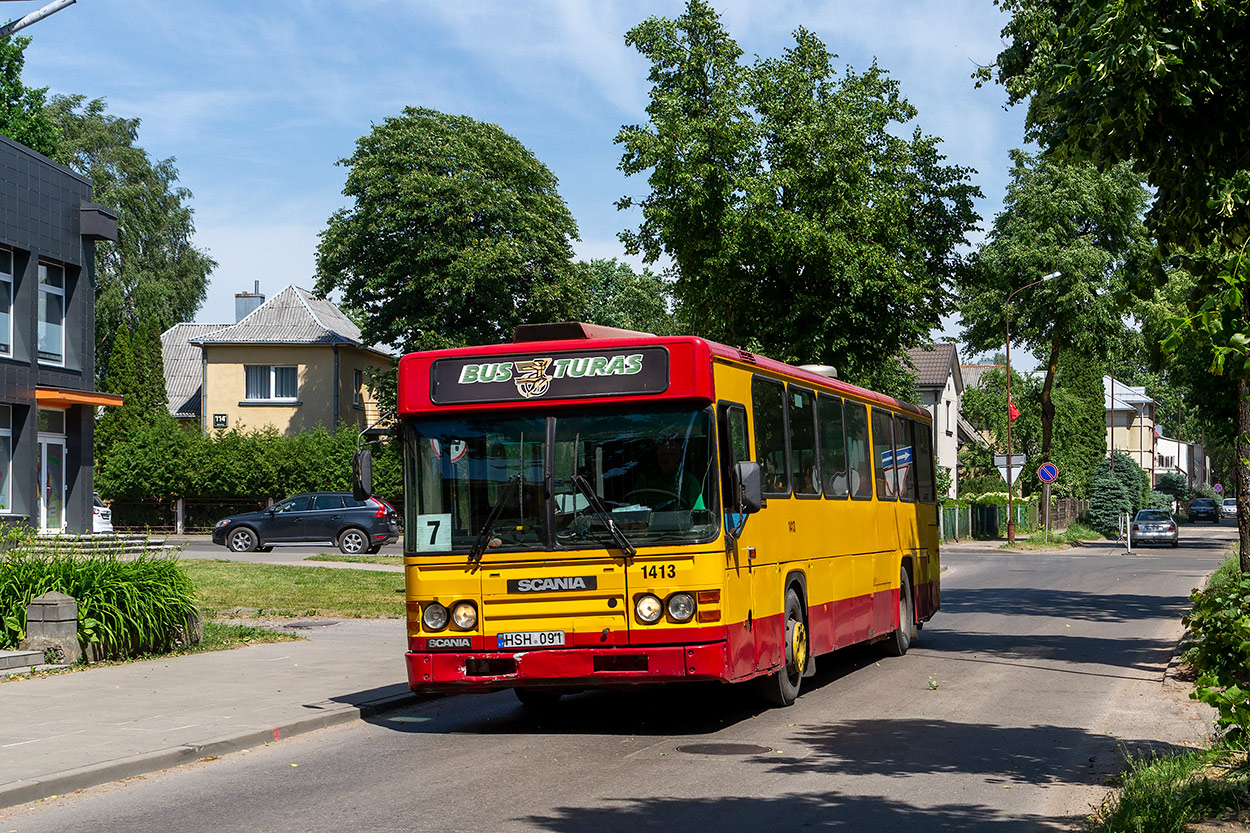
[74, 730]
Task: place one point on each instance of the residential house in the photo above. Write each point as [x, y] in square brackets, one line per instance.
[939, 387]
[293, 361]
[48, 399]
[1130, 421]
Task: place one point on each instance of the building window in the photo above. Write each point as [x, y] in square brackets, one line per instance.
[51, 313]
[950, 430]
[6, 303]
[271, 382]
[6, 457]
[358, 386]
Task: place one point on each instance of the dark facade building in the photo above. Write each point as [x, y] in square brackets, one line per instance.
[48, 229]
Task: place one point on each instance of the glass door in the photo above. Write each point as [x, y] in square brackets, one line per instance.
[51, 474]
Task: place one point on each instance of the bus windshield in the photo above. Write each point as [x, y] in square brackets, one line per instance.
[652, 470]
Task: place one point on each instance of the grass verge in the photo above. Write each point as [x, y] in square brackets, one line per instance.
[279, 590]
[396, 560]
[1166, 794]
[1040, 540]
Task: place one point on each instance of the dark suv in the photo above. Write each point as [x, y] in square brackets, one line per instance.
[1204, 509]
[354, 526]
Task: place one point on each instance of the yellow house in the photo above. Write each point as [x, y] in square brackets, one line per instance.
[294, 362]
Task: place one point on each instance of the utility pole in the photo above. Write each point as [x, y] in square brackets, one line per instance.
[34, 17]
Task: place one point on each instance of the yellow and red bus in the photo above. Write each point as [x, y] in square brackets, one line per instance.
[588, 507]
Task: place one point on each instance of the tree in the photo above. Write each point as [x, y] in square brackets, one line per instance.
[617, 296]
[1071, 218]
[22, 117]
[152, 271]
[455, 235]
[1165, 86]
[985, 407]
[1080, 423]
[801, 218]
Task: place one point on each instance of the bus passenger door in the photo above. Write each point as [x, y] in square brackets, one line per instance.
[737, 604]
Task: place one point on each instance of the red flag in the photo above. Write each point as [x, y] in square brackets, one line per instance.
[1012, 410]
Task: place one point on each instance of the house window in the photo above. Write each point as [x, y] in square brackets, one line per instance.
[271, 382]
[949, 429]
[6, 303]
[358, 385]
[6, 456]
[51, 313]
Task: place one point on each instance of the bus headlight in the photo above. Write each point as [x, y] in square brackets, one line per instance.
[434, 617]
[464, 616]
[681, 606]
[649, 609]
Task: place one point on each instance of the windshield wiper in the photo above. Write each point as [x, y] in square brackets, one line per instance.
[483, 535]
[602, 513]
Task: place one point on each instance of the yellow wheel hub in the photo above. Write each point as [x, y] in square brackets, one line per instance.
[798, 646]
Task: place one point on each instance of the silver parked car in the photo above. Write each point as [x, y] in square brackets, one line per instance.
[1155, 526]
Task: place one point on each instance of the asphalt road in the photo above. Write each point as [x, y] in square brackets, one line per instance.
[1011, 714]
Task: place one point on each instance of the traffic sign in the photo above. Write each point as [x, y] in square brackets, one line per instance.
[1219, 487]
[1048, 472]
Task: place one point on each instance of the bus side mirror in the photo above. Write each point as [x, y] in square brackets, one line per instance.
[748, 493]
[362, 474]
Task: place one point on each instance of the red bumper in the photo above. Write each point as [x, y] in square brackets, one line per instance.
[565, 667]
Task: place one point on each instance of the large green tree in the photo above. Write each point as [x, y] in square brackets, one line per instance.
[1165, 86]
[153, 271]
[802, 217]
[456, 234]
[1066, 218]
[617, 296]
[22, 117]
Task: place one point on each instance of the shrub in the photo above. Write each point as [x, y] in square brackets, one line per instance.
[1173, 484]
[1111, 499]
[126, 606]
[1220, 626]
[1159, 500]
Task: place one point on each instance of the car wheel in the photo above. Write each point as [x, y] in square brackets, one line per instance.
[353, 541]
[375, 549]
[241, 539]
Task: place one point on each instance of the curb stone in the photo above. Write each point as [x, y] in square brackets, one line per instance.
[93, 775]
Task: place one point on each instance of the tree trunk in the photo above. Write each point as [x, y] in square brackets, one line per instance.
[1242, 467]
[1048, 406]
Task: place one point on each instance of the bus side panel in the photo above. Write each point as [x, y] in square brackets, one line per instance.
[929, 571]
[768, 621]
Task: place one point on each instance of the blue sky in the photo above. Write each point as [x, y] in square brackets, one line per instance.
[257, 101]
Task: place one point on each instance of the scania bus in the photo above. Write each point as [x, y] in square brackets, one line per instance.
[587, 507]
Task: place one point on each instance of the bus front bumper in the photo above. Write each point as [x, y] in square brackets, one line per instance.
[565, 667]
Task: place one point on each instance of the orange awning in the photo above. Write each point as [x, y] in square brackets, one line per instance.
[54, 398]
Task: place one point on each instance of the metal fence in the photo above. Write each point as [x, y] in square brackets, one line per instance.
[181, 516]
[986, 520]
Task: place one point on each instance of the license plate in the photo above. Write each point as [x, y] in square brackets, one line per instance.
[531, 639]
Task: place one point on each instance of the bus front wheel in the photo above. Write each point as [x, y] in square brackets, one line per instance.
[897, 643]
[781, 688]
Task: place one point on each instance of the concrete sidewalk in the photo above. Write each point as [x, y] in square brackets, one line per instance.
[74, 730]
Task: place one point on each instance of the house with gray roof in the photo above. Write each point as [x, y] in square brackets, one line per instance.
[939, 387]
[293, 361]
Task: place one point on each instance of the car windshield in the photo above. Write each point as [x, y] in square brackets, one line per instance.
[652, 471]
[1230, 501]
[1153, 515]
[1203, 501]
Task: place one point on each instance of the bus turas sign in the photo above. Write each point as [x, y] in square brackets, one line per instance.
[518, 378]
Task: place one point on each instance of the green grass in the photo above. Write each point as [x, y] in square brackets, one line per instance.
[396, 560]
[279, 590]
[1165, 794]
[1074, 532]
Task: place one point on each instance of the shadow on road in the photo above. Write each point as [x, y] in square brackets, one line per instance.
[822, 811]
[1106, 653]
[1064, 604]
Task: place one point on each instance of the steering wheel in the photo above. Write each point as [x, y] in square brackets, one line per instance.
[669, 497]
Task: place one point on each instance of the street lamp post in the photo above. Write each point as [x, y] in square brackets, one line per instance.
[1011, 513]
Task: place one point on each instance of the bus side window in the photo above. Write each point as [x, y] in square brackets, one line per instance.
[883, 453]
[832, 446]
[803, 462]
[857, 450]
[768, 402]
[924, 463]
[904, 458]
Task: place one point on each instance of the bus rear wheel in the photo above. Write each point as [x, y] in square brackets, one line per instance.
[782, 687]
[897, 643]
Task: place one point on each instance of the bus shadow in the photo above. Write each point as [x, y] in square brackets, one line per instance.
[828, 810]
[1084, 653]
[1065, 604]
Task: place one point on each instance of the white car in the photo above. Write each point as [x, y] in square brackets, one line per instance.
[1228, 509]
[101, 515]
